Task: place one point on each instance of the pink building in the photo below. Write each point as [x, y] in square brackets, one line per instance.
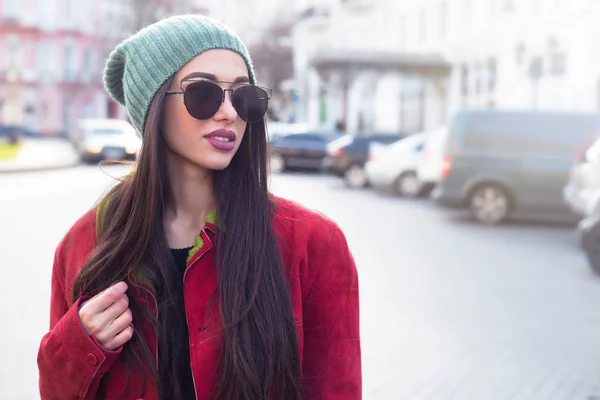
[51, 57]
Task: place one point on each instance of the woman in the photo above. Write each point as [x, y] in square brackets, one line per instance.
[189, 279]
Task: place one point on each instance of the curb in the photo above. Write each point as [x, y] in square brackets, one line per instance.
[37, 168]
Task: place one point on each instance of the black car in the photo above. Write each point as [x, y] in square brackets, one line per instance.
[305, 150]
[347, 156]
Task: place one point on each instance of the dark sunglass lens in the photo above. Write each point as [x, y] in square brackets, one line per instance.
[203, 99]
[251, 103]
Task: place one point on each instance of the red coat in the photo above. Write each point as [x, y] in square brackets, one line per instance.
[324, 290]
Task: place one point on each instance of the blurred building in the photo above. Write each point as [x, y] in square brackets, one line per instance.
[250, 19]
[410, 65]
[265, 26]
[52, 59]
[53, 54]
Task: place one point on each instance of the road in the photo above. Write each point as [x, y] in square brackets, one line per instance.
[449, 309]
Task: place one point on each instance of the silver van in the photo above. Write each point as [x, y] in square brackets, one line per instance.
[502, 164]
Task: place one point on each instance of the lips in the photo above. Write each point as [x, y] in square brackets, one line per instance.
[222, 139]
[223, 134]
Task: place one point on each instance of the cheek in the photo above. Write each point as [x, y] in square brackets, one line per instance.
[176, 122]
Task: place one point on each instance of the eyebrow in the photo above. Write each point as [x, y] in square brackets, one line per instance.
[239, 79]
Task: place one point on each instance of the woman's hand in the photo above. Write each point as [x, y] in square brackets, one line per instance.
[108, 318]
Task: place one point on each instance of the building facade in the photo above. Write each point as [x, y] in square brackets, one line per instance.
[431, 58]
[53, 53]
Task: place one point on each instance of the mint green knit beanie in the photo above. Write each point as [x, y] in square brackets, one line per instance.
[142, 63]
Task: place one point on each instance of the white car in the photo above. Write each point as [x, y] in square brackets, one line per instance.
[100, 139]
[583, 185]
[433, 161]
[395, 166]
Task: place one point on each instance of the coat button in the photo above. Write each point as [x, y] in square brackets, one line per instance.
[92, 359]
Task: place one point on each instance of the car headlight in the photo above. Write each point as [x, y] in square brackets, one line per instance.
[93, 148]
[131, 149]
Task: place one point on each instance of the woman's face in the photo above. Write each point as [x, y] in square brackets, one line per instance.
[208, 144]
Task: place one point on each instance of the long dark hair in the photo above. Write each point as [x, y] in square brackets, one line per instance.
[259, 357]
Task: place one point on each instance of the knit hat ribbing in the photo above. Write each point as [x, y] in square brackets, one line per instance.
[141, 64]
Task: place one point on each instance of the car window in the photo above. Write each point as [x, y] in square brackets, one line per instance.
[306, 137]
[341, 141]
[385, 139]
[105, 131]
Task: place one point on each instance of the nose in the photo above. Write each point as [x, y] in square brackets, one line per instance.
[226, 111]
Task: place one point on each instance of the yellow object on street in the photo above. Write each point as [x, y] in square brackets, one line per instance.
[8, 151]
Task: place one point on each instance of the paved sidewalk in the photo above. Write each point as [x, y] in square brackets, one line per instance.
[41, 154]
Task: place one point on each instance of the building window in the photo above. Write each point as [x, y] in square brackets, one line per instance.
[70, 65]
[556, 57]
[465, 80]
[422, 25]
[492, 72]
[402, 32]
[43, 60]
[509, 6]
[478, 78]
[86, 65]
[558, 64]
[10, 9]
[443, 18]
[520, 54]
[13, 54]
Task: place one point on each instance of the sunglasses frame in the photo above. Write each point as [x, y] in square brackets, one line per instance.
[182, 91]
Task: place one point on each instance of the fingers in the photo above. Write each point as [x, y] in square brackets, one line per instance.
[114, 327]
[120, 339]
[115, 309]
[97, 314]
[105, 299]
[121, 323]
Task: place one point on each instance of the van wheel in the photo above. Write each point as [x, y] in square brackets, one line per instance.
[356, 177]
[408, 185]
[591, 247]
[489, 204]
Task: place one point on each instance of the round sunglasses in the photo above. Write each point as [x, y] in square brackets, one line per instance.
[203, 99]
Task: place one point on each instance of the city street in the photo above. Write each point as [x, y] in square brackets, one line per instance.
[449, 309]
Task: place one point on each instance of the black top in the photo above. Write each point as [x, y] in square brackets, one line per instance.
[180, 262]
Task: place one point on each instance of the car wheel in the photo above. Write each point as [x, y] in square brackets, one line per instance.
[591, 247]
[408, 185]
[277, 163]
[356, 177]
[489, 204]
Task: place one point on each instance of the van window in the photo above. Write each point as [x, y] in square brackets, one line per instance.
[529, 133]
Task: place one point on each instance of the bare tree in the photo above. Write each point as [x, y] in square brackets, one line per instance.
[273, 58]
[146, 12]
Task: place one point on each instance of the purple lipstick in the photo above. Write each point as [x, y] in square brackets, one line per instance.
[222, 139]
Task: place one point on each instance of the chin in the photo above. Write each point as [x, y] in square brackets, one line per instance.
[214, 164]
[217, 166]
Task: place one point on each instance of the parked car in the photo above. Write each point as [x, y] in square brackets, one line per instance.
[431, 163]
[589, 231]
[279, 129]
[348, 155]
[584, 179]
[300, 150]
[502, 164]
[395, 166]
[100, 139]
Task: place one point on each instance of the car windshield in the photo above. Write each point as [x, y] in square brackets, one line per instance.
[105, 131]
